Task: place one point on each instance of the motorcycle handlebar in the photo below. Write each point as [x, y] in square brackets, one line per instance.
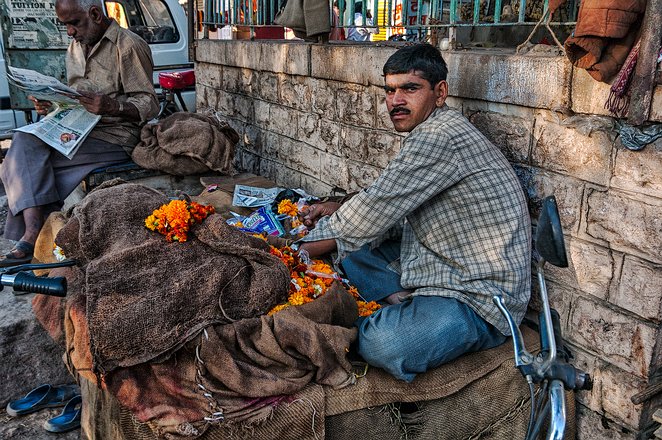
[27, 282]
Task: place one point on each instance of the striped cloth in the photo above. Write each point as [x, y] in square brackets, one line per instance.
[465, 224]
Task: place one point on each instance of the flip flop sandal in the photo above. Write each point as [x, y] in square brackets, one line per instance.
[68, 419]
[44, 396]
[22, 246]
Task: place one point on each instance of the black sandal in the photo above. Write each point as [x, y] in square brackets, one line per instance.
[22, 246]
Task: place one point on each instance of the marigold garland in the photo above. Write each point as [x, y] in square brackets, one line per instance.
[176, 218]
[312, 281]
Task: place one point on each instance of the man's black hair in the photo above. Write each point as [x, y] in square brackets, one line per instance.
[358, 8]
[422, 58]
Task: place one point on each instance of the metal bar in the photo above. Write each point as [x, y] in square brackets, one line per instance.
[522, 11]
[476, 11]
[405, 13]
[497, 11]
[452, 14]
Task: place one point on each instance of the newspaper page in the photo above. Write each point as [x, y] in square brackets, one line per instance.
[253, 197]
[67, 126]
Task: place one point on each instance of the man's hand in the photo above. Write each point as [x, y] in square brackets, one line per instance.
[41, 107]
[98, 103]
[317, 211]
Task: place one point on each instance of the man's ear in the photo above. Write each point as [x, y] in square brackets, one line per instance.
[441, 91]
[96, 14]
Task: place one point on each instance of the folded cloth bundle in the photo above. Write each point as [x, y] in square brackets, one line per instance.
[186, 143]
[604, 36]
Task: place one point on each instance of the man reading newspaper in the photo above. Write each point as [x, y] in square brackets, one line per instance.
[111, 69]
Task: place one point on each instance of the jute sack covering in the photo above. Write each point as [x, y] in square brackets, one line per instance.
[479, 395]
[186, 143]
[146, 297]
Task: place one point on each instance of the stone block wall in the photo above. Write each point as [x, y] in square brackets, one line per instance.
[313, 116]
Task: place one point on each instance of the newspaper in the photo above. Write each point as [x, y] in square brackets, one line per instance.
[252, 197]
[66, 127]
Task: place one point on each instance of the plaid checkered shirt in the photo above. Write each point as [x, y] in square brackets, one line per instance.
[466, 232]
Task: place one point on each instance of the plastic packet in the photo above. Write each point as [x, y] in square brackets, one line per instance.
[262, 221]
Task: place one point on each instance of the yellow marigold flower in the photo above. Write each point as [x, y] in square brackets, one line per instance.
[278, 308]
[287, 207]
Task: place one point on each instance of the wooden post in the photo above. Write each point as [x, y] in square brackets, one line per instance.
[644, 79]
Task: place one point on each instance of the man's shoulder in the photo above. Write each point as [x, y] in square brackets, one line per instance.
[126, 39]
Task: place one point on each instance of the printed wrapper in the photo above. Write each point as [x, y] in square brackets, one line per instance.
[262, 221]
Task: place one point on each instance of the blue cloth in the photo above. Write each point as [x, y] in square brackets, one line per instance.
[421, 333]
[374, 272]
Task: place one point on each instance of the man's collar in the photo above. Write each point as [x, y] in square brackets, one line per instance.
[112, 32]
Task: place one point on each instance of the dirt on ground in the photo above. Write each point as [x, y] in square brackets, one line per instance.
[30, 427]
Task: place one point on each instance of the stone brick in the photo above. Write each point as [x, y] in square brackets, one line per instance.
[268, 86]
[617, 389]
[656, 105]
[592, 365]
[225, 103]
[292, 58]
[639, 171]
[560, 298]
[382, 118]
[353, 143]
[381, 148]
[588, 95]
[323, 101]
[614, 336]
[355, 106]
[262, 114]
[349, 63]
[510, 79]
[594, 426]
[295, 92]
[591, 267]
[210, 75]
[568, 151]
[360, 175]
[512, 134]
[251, 138]
[302, 157]
[625, 222]
[283, 176]
[314, 187]
[272, 147]
[334, 171]
[210, 52]
[639, 288]
[283, 120]
[243, 108]
[205, 98]
[318, 132]
[539, 184]
[248, 162]
[240, 81]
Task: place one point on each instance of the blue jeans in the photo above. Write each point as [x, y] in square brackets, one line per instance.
[419, 334]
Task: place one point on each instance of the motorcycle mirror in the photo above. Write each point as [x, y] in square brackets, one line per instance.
[549, 235]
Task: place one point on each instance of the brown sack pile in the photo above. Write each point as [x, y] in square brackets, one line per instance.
[146, 297]
[186, 143]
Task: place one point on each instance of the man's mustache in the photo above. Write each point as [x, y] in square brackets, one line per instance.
[399, 110]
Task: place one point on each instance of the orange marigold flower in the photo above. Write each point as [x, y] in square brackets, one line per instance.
[287, 207]
[175, 219]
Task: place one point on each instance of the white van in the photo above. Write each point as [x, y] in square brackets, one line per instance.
[162, 23]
